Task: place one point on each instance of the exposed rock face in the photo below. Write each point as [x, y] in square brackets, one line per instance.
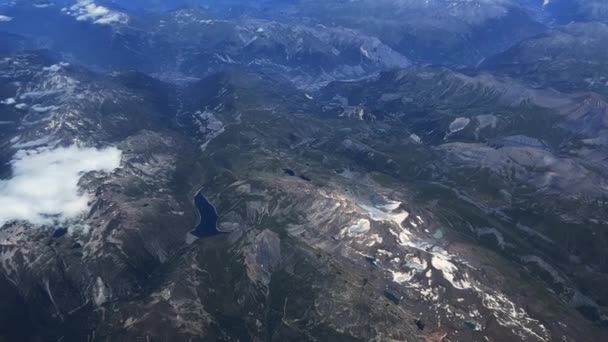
[323, 251]
[262, 257]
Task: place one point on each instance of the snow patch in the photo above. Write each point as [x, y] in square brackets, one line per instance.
[209, 126]
[374, 239]
[430, 294]
[448, 269]
[387, 212]
[458, 125]
[31, 143]
[364, 52]
[509, 315]
[533, 259]
[100, 292]
[43, 109]
[401, 277]
[417, 263]
[360, 227]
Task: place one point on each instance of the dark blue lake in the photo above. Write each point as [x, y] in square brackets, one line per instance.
[207, 224]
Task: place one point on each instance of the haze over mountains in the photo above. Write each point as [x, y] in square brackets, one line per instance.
[303, 170]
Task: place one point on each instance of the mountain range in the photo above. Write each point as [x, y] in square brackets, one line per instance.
[389, 170]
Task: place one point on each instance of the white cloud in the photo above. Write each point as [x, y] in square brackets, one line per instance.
[52, 68]
[9, 101]
[44, 185]
[5, 18]
[87, 10]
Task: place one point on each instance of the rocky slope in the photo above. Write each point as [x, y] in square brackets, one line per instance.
[328, 234]
[569, 58]
[517, 154]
